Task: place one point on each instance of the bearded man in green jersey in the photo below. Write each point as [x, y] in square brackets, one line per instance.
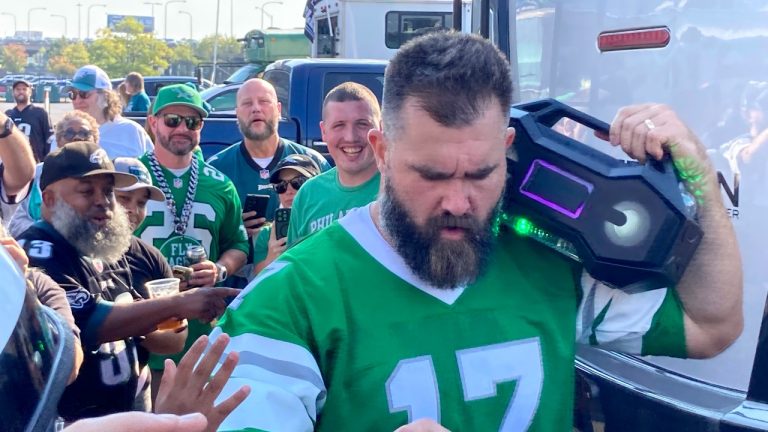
[201, 206]
[414, 308]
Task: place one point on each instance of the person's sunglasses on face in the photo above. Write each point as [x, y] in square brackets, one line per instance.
[74, 94]
[174, 120]
[77, 135]
[296, 182]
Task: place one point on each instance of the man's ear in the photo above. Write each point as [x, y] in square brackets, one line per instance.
[152, 121]
[49, 197]
[322, 131]
[509, 137]
[379, 145]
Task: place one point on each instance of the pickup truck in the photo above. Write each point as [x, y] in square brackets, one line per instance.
[301, 85]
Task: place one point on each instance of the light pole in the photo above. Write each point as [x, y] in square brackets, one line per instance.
[262, 10]
[79, 6]
[64, 17]
[152, 5]
[14, 20]
[88, 18]
[29, 20]
[190, 22]
[262, 17]
[165, 16]
[216, 43]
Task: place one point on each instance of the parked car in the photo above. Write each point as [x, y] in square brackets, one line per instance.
[222, 99]
[153, 83]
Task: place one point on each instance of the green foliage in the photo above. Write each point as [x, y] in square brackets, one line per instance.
[14, 57]
[184, 53]
[128, 49]
[125, 49]
[71, 57]
[229, 50]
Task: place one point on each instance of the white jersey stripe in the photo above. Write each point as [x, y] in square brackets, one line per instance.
[283, 368]
[277, 349]
[287, 369]
[279, 415]
[627, 317]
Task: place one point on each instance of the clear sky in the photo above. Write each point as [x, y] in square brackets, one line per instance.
[246, 16]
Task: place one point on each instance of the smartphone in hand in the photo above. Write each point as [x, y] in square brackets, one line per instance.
[257, 203]
[282, 217]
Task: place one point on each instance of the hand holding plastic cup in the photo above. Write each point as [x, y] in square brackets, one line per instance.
[164, 288]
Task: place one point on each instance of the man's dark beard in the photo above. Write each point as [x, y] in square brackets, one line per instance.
[22, 99]
[107, 243]
[269, 130]
[165, 142]
[442, 263]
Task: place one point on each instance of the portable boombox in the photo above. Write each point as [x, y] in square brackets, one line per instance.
[631, 225]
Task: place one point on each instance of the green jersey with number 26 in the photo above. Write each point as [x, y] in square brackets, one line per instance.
[215, 223]
[339, 334]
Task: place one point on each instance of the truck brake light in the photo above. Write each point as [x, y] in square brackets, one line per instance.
[617, 40]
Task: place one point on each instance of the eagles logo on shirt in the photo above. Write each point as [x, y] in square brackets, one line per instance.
[78, 298]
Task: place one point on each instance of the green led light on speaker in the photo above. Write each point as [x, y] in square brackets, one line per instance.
[522, 226]
[525, 228]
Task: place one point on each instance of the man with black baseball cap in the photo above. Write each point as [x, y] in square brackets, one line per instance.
[81, 243]
[30, 119]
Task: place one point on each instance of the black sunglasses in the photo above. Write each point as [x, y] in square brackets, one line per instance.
[174, 121]
[296, 182]
[74, 94]
[81, 134]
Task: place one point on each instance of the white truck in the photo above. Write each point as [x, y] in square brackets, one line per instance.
[706, 59]
[375, 29]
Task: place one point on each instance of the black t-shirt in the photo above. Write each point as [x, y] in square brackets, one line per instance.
[108, 377]
[36, 125]
[146, 263]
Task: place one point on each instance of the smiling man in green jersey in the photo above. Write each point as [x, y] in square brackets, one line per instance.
[414, 308]
[201, 207]
[350, 110]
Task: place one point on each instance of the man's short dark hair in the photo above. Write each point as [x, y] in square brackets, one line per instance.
[452, 76]
[351, 92]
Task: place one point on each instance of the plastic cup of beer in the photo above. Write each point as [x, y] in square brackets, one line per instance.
[163, 288]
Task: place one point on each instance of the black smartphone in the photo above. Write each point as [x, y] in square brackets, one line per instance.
[256, 203]
[282, 217]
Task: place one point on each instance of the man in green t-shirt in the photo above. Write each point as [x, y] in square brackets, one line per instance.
[415, 307]
[201, 206]
[350, 110]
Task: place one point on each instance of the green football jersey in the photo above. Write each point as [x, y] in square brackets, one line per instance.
[323, 200]
[215, 223]
[351, 339]
[261, 244]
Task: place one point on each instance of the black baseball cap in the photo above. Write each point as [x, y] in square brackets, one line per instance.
[21, 81]
[300, 163]
[80, 159]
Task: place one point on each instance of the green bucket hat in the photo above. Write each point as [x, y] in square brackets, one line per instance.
[180, 94]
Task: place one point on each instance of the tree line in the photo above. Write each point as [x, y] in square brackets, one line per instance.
[124, 49]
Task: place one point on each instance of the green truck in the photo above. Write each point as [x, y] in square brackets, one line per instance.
[262, 47]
